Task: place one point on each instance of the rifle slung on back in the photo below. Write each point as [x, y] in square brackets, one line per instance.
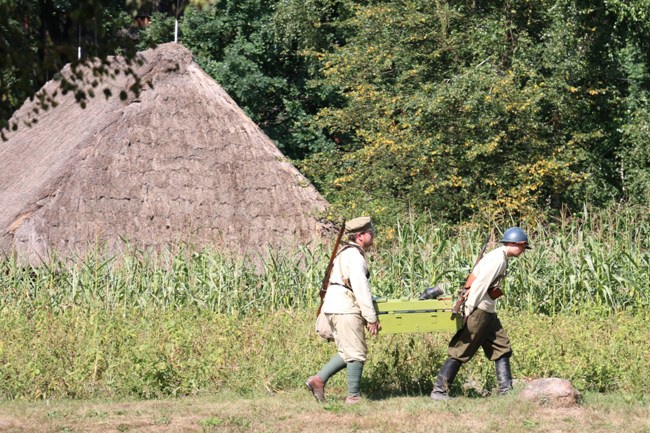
[328, 270]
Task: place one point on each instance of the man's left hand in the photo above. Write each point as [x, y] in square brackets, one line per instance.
[374, 327]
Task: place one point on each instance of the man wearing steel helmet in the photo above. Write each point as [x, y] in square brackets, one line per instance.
[482, 327]
[349, 310]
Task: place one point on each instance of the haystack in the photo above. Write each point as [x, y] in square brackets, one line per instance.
[179, 163]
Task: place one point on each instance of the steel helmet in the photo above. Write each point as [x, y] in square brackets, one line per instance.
[516, 235]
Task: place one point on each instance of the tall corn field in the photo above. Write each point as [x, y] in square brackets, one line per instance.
[590, 261]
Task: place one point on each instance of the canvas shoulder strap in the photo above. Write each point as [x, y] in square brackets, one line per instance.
[346, 280]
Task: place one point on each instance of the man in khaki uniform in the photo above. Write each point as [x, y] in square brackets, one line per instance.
[349, 310]
[482, 327]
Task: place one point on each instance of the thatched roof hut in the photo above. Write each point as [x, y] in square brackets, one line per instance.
[179, 163]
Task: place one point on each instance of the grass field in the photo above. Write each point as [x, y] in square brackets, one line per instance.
[203, 342]
[298, 412]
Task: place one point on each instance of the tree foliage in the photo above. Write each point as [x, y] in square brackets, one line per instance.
[38, 38]
[255, 50]
[504, 108]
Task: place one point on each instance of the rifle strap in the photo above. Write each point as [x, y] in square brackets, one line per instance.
[352, 245]
[339, 284]
[346, 281]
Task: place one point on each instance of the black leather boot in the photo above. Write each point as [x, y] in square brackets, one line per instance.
[504, 376]
[445, 379]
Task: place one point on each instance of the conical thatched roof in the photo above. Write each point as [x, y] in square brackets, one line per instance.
[181, 162]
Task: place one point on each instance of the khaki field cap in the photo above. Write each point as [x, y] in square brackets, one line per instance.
[359, 225]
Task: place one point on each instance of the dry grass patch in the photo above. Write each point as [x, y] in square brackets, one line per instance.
[297, 412]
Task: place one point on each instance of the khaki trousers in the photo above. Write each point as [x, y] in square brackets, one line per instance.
[349, 332]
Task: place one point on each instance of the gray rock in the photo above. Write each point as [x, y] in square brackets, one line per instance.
[551, 391]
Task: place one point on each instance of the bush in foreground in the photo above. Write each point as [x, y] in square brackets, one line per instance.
[127, 353]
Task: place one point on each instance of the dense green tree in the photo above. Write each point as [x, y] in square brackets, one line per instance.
[499, 107]
[502, 108]
[629, 51]
[256, 49]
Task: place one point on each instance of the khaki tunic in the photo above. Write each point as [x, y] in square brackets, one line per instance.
[483, 328]
[349, 308]
[489, 271]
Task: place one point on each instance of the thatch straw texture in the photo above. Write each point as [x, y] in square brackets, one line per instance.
[179, 162]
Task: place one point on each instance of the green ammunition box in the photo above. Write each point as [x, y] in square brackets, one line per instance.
[400, 316]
